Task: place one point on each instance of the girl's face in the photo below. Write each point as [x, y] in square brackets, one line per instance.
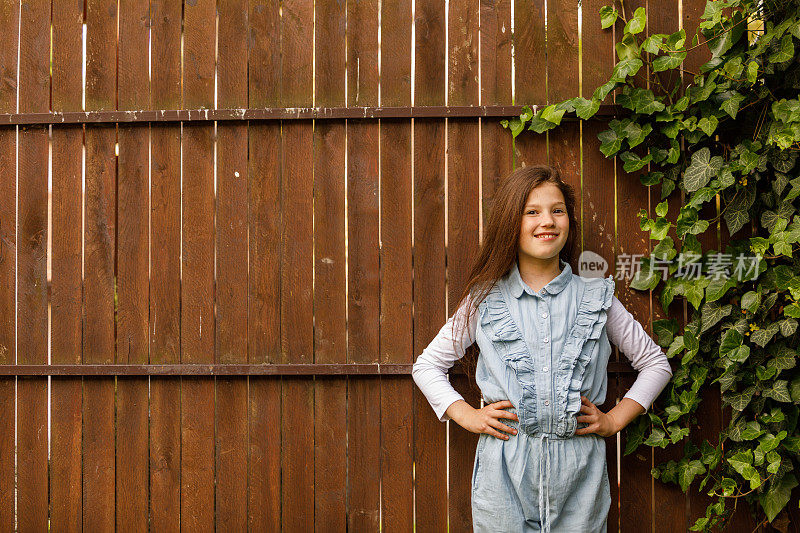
[545, 223]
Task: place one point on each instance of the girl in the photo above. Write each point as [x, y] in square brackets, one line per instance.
[543, 334]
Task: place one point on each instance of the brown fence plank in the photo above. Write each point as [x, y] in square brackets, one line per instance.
[99, 272]
[231, 328]
[562, 50]
[197, 286]
[430, 434]
[9, 19]
[297, 335]
[530, 63]
[396, 346]
[496, 88]
[363, 406]
[264, 283]
[597, 204]
[530, 66]
[34, 88]
[165, 288]
[636, 484]
[65, 297]
[132, 271]
[463, 222]
[330, 269]
[598, 200]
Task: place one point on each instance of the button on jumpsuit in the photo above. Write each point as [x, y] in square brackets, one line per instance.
[542, 351]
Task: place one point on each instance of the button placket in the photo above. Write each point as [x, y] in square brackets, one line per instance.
[547, 356]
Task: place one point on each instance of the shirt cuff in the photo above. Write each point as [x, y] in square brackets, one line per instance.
[648, 386]
[446, 402]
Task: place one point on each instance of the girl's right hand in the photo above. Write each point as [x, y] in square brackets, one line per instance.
[487, 419]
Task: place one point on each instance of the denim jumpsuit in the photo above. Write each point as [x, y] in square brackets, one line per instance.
[542, 351]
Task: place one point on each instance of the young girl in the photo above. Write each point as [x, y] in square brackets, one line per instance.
[543, 334]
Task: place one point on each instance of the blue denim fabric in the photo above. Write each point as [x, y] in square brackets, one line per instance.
[542, 351]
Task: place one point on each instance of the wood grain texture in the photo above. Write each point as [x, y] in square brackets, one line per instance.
[197, 270]
[297, 297]
[330, 271]
[132, 454]
[231, 462]
[66, 285]
[165, 288]
[265, 209]
[396, 274]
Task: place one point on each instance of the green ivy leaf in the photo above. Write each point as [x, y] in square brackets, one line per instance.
[610, 142]
[736, 213]
[708, 125]
[608, 16]
[584, 108]
[750, 301]
[752, 72]
[633, 162]
[788, 327]
[552, 114]
[687, 472]
[712, 313]
[777, 496]
[779, 391]
[785, 51]
[731, 104]
[665, 330]
[658, 438]
[625, 68]
[718, 287]
[637, 23]
[669, 61]
[701, 170]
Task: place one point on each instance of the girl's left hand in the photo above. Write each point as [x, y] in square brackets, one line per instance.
[599, 422]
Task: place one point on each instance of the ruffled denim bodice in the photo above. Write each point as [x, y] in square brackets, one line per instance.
[543, 350]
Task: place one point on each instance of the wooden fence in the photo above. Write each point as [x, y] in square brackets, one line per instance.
[229, 295]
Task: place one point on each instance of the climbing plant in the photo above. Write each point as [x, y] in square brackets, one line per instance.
[728, 134]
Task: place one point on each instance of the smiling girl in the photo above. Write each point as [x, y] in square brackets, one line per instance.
[544, 335]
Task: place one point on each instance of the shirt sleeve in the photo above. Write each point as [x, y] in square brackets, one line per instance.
[645, 355]
[430, 369]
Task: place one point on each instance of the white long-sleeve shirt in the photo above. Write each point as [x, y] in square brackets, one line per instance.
[624, 331]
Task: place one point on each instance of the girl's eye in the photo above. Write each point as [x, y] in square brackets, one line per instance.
[533, 211]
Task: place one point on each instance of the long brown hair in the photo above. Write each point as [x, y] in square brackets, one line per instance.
[500, 246]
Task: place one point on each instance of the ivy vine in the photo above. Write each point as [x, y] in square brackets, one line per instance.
[730, 134]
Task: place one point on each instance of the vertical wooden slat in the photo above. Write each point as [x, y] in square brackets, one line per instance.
[265, 209]
[430, 464]
[636, 483]
[9, 19]
[330, 327]
[99, 270]
[231, 329]
[463, 221]
[363, 406]
[197, 286]
[34, 93]
[598, 203]
[132, 271]
[165, 283]
[397, 497]
[530, 64]
[496, 142]
[66, 286]
[530, 67]
[562, 50]
[297, 298]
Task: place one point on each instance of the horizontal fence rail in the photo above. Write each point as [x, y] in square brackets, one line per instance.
[316, 369]
[291, 113]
